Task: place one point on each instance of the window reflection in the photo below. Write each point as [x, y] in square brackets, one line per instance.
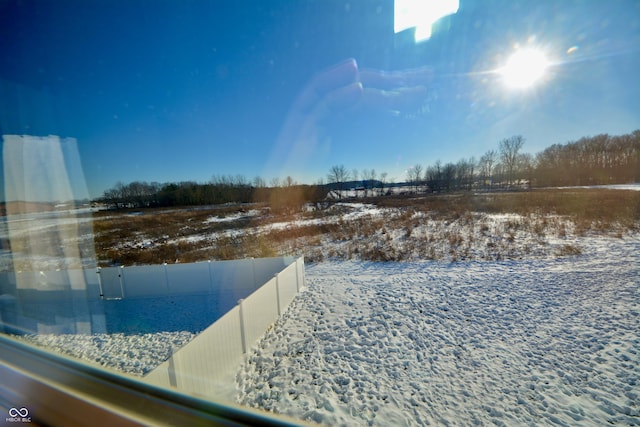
[209, 90]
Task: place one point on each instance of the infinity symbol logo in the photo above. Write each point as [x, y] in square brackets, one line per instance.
[22, 412]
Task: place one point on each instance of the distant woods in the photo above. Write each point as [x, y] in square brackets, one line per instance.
[601, 159]
[285, 197]
[598, 160]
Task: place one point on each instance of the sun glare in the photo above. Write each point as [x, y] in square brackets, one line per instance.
[524, 68]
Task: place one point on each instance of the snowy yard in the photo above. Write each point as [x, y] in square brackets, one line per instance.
[482, 318]
[535, 342]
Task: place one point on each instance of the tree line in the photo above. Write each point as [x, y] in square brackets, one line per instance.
[506, 167]
[598, 160]
[495, 169]
[283, 197]
[602, 159]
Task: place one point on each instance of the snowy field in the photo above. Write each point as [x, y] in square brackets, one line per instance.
[545, 341]
[538, 342]
[136, 354]
[489, 319]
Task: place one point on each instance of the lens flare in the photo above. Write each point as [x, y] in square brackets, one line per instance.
[524, 68]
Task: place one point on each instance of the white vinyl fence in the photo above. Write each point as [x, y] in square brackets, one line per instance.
[130, 299]
[230, 280]
[206, 366]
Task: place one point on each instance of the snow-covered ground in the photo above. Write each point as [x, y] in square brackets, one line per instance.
[543, 341]
[632, 187]
[136, 354]
[536, 323]
[537, 342]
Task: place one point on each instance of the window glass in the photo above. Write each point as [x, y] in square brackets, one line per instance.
[378, 203]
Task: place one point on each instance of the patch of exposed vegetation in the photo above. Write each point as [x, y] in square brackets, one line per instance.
[449, 227]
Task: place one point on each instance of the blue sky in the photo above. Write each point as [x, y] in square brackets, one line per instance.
[184, 90]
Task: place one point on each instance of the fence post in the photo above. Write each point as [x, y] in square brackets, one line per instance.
[171, 371]
[210, 277]
[166, 278]
[98, 271]
[278, 293]
[243, 336]
[121, 279]
[253, 266]
[297, 275]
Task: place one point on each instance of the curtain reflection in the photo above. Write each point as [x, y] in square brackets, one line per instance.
[47, 282]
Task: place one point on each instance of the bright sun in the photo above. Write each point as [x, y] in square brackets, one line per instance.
[524, 68]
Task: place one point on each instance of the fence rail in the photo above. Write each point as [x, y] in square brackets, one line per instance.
[207, 365]
[79, 301]
[250, 294]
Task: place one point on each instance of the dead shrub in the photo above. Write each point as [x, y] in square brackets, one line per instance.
[118, 235]
[568, 250]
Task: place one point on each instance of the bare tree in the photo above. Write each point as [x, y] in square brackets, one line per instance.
[463, 173]
[471, 172]
[433, 177]
[486, 164]
[417, 170]
[526, 168]
[354, 177]
[448, 176]
[259, 182]
[354, 174]
[368, 179]
[338, 174]
[509, 150]
[414, 176]
[383, 181]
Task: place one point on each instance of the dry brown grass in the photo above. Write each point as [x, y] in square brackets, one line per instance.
[599, 210]
[120, 236]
